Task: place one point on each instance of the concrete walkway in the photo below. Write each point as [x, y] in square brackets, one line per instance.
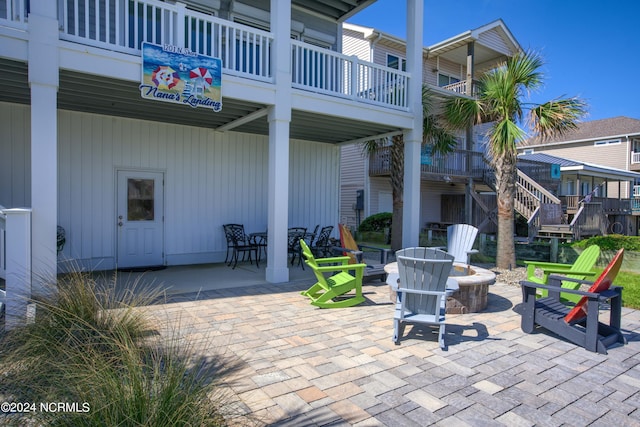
[304, 366]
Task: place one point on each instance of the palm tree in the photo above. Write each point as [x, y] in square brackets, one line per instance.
[501, 101]
[434, 133]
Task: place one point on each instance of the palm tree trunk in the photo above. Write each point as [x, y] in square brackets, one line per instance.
[397, 188]
[505, 167]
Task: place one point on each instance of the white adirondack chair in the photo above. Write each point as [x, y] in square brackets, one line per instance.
[422, 291]
[460, 238]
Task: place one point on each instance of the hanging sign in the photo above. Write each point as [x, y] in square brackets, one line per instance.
[175, 74]
[425, 154]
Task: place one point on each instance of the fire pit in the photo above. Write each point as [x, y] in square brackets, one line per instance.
[473, 284]
[473, 287]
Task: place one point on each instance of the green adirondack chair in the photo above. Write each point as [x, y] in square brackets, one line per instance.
[579, 270]
[333, 291]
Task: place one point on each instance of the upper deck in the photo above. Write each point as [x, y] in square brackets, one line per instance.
[100, 57]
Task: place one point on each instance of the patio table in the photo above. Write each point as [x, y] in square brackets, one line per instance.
[259, 239]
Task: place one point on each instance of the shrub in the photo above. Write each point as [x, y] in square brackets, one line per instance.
[612, 242]
[377, 222]
[91, 345]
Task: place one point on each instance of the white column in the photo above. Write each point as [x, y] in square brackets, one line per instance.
[18, 280]
[279, 120]
[413, 137]
[43, 80]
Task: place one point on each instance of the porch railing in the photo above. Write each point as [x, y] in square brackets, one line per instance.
[635, 157]
[326, 71]
[14, 11]
[123, 25]
[460, 163]
[462, 88]
[609, 205]
[636, 191]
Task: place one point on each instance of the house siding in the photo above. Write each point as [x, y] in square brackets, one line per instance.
[353, 43]
[495, 41]
[381, 51]
[452, 69]
[352, 179]
[614, 156]
[15, 161]
[211, 178]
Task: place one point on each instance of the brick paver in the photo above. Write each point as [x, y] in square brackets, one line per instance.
[300, 365]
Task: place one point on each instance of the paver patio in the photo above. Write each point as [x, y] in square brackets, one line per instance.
[305, 366]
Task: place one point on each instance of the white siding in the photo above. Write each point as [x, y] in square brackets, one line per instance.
[428, 75]
[493, 40]
[15, 156]
[452, 69]
[377, 185]
[314, 181]
[353, 43]
[352, 179]
[211, 178]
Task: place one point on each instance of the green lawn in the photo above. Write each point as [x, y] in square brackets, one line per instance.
[630, 281]
[631, 284]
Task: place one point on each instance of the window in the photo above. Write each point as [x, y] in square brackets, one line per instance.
[606, 142]
[527, 151]
[569, 188]
[396, 62]
[444, 80]
[140, 199]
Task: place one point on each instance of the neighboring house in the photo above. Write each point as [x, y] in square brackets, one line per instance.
[599, 159]
[137, 182]
[579, 182]
[613, 142]
[450, 69]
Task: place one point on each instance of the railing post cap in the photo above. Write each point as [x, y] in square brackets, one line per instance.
[16, 210]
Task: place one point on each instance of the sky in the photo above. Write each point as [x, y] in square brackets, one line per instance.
[591, 48]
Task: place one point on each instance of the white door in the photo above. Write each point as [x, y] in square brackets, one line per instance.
[140, 218]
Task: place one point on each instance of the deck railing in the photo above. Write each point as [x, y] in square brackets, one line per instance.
[635, 157]
[325, 71]
[14, 11]
[462, 88]
[609, 205]
[123, 25]
[459, 163]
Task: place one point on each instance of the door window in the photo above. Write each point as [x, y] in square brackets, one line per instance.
[140, 199]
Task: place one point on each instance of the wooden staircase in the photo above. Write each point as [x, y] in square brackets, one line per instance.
[541, 208]
[544, 212]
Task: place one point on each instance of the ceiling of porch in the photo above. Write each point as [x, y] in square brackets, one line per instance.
[107, 96]
[337, 9]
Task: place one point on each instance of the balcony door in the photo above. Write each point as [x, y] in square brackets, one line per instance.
[140, 219]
